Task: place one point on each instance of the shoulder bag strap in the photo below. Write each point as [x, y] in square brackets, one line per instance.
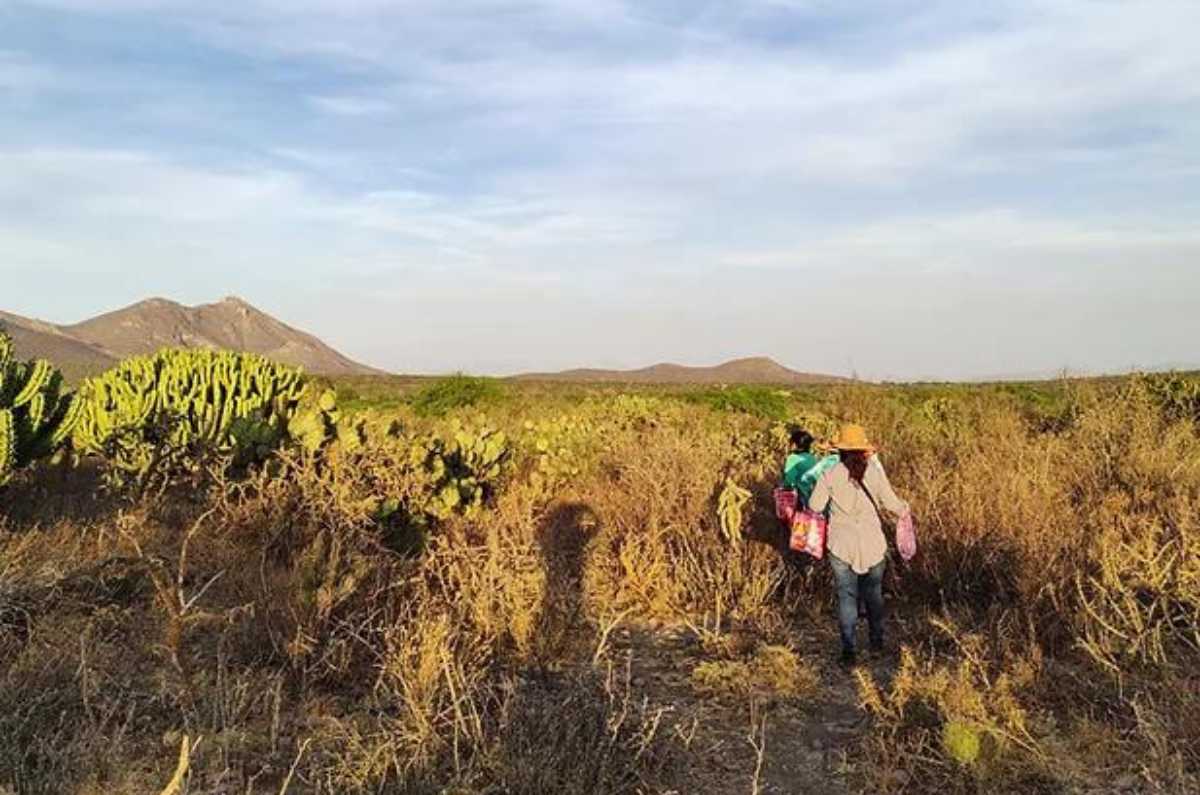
[862, 484]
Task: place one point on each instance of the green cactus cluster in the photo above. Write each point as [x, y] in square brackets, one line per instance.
[364, 428]
[1177, 395]
[152, 412]
[560, 447]
[461, 467]
[36, 414]
[419, 479]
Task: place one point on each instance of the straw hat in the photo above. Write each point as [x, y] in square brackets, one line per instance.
[853, 437]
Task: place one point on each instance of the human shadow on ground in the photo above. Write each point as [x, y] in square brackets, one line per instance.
[571, 725]
[563, 539]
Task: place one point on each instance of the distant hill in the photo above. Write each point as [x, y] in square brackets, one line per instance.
[92, 345]
[34, 339]
[754, 370]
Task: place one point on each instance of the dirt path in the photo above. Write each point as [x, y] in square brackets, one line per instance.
[806, 739]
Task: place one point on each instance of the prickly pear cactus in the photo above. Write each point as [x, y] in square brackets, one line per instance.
[149, 410]
[36, 415]
[1177, 395]
[456, 470]
[414, 481]
[560, 447]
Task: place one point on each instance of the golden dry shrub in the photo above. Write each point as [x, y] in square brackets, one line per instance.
[660, 550]
[1063, 541]
[770, 671]
[966, 708]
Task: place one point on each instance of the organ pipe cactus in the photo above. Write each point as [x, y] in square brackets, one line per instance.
[36, 415]
[179, 402]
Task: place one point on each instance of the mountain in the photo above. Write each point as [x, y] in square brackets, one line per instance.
[34, 339]
[754, 370]
[92, 345]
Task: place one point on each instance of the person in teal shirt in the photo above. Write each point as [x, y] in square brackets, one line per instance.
[803, 467]
[799, 460]
[808, 480]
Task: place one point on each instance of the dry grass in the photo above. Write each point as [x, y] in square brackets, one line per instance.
[771, 671]
[317, 649]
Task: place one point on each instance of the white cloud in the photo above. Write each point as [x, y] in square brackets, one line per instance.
[351, 106]
[658, 168]
[998, 241]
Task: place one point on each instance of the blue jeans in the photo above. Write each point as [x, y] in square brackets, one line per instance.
[850, 586]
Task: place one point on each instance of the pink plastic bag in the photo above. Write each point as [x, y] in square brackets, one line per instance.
[785, 505]
[808, 533]
[906, 537]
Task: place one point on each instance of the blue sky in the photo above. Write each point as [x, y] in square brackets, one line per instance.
[901, 189]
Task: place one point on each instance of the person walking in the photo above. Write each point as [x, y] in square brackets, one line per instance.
[803, 467]
[853, 491]
[799, 460]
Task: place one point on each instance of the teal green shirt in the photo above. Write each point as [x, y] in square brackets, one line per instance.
[809, 480]
[794, 468]
[801, 471]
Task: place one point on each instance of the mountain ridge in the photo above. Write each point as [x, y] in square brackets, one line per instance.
[92, 345]
[36, 339]
[746, 370]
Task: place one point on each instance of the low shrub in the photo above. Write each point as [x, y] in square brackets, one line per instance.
[758, 401]
[455, 392]
[771, 670]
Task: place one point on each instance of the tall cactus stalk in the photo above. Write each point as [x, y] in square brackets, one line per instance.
[36, 415]
[149, 409]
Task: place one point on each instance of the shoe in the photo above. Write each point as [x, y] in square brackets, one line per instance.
[849, 659]
[877, 649]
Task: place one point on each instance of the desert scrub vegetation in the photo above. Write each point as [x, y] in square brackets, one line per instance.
[445, 603]
[455, 392]
[769, 670]
[759, 401]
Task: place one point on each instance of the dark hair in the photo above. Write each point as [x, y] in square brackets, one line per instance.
[802, 440]
[858, 458]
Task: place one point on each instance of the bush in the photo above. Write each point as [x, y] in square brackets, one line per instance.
[769, 671]
[757, 401]
[455, 392]
[300, 629]
[964, 706]
[1177, 394]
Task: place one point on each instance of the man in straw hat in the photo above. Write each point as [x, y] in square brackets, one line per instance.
[854, 491]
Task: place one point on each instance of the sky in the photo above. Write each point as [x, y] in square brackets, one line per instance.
[893, 189]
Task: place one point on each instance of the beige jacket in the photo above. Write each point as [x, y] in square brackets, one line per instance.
[855, 532]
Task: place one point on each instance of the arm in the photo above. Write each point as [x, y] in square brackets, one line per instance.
[882, 491]
[818, 501]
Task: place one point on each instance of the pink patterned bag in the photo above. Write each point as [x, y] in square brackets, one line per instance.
[808, 533]
[906, 537]
[785, 505]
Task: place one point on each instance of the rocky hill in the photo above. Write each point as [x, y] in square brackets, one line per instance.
[92, 345]
[37, 340]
